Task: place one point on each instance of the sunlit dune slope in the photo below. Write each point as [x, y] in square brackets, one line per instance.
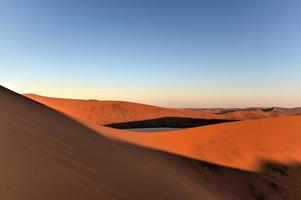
[45, 155]
[108, 112]
[242, 145]
[111, 112]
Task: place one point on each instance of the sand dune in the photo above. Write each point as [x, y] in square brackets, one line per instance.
[254, 112]
[243, 145]
[112, 112]
[46, 155]
[108, 112]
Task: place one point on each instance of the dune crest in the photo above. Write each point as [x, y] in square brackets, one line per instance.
[242, 145]
[111, 112]
[46, 155]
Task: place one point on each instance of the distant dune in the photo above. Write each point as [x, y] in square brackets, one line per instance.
[46, 155]
[116, 112]
[254, 112]
[108, 112]
[243, 145]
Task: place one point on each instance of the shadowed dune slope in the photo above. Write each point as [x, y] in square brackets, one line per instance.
[45, 155]
[171, 122]
[243, 145]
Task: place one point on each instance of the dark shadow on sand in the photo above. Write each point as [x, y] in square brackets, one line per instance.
[171, 122]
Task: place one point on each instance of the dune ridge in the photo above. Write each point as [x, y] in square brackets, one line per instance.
[245, 145]
[242, 145]
[113, 112]
[109, 112]
[46, 155]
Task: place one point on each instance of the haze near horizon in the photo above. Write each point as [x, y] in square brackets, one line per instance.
[167, 53]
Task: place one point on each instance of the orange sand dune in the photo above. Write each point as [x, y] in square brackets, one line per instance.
[46, 155]
[253, 112]
[243, 115]
[242, 145]
[110, 112]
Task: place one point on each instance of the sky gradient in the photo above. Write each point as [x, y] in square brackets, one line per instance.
[170, 53]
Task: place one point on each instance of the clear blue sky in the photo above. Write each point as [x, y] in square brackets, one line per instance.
[206, 53]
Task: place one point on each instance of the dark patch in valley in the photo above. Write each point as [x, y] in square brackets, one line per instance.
[171, 122]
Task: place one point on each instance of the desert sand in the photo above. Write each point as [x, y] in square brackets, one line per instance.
[48, 155]
[45, 155]
[243, 145]
[108, 112]
[112, 112]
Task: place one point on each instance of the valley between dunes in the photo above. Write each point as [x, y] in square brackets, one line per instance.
[46, 154]
[243, 145]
